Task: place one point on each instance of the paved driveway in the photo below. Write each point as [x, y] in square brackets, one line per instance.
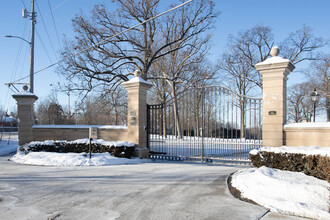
[144, 191]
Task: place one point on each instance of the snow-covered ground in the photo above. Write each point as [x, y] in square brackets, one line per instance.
[315, 150]
[280, 191]
[286, 192]
[71, 159]
[290, 193]
[8, 142]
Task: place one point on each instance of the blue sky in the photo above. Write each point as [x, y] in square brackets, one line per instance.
[284, 16]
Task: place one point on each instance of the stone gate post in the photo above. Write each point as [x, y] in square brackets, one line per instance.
[137, 113]
[274, 73]
[25, 110]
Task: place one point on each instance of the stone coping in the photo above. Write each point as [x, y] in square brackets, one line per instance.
[103, 127]
[308, 126]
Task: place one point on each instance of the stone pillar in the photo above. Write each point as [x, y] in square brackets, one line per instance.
[274, 73]
[137, 113]
[25, 109]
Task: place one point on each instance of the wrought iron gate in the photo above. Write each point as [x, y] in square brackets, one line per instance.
[211, 124]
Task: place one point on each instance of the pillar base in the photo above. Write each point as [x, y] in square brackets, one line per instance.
[141, 152]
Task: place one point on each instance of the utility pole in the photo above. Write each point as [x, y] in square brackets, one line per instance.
[33, 16]
[33, 21]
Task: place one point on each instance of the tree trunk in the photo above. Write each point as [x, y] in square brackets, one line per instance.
[176, 114]
[164, 121]
[197, 115]
[328, 107]
[242, 107]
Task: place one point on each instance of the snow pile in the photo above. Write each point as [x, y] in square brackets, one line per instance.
[271, 60]
[323, 151]
[71, 159]
[284, 192]
[136, 79]
[103, 142]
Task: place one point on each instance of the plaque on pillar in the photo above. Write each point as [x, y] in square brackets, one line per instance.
[272, 113]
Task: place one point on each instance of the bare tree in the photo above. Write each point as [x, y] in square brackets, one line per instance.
[318, 74]
[253, 46]
[104, 110]
[239, 74]
[49, 111]
[246, 50]
[104, 64]
[175, 73]
[237, 64]
[301, 45]
[300, 106]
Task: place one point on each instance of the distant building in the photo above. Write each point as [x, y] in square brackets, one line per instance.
[8, 121]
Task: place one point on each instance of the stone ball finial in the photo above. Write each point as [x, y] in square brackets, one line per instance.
[25, 87]
[137, 73]
[275, 51]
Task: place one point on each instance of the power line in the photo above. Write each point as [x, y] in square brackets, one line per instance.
[24, 4]
[59, 5]
[51, 12]
[43, 22]
[16, 64]
[43, 46]
[107, 39]
[24, 60]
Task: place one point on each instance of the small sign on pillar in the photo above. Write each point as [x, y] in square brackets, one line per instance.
[272, 113]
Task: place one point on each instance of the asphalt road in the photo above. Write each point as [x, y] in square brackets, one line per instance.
[153, 190]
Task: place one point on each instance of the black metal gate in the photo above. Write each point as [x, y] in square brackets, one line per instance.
[210, 124]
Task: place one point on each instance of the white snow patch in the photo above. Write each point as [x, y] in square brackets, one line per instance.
[314, 150]
[24, 93]
[285, 192]
[271, 60]
[254, 152]
[103, 142]
[136, 79]
[308, 125]
[113, 127]
[72, 159]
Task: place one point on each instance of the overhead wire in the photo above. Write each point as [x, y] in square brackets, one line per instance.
[43, 46]
[16, 63]
[17, 59]
[23, 4]
[106, 40]
[23, 64]
[48, 36]
[51, 12]
[59, 5]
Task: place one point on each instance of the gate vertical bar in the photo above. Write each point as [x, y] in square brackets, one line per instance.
[203, 122]
[148, 126]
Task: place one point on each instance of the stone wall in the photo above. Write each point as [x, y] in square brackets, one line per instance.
[74, 132]
[307, 134]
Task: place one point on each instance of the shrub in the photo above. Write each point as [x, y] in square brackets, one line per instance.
[125, 149]
[313, 165]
